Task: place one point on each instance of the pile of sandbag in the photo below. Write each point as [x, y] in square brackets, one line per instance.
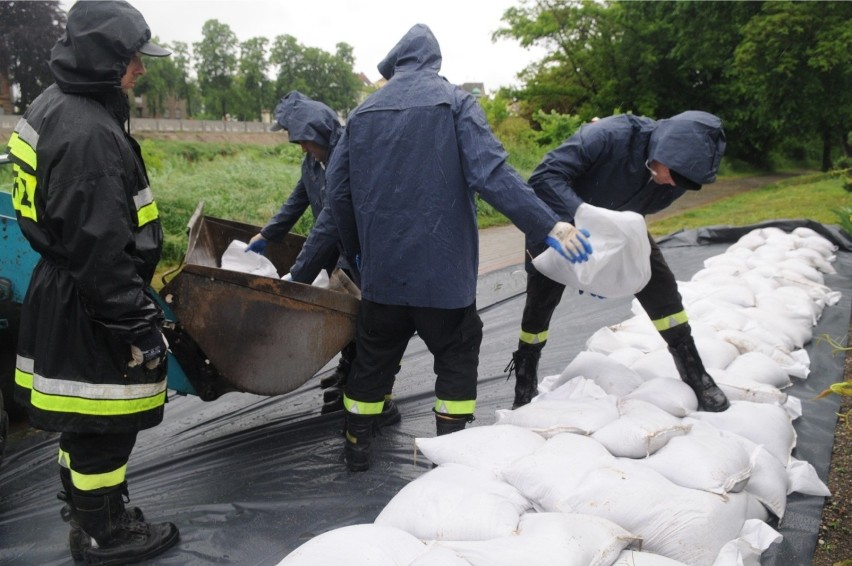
[611, 463]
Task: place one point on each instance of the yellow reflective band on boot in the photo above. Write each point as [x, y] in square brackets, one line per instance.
[529, 338]
[91, 482]
[362, 407]
[455, 407]
[671, 321]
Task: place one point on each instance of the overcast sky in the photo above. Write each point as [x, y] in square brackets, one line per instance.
[371, 27]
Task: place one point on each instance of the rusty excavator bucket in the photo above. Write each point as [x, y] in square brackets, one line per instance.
[234, 331]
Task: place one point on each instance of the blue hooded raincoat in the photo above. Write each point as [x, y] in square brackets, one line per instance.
[403, 180]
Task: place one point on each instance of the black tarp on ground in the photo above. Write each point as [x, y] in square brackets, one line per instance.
[248, 479]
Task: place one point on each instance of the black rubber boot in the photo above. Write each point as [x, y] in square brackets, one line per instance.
[710, 397]
[448, 424]
[332, 400]
[338, 378]
[525, 365]
[390, 414]
[359, 437]
[78, 540]
[120, 537]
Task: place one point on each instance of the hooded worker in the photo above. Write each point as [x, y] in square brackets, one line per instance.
[402, 188]
[91, 354]
[624, 163]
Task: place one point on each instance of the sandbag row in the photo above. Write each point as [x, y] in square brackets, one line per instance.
[611, 464]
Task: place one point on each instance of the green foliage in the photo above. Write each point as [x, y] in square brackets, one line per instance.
[555, 127]
[28, 31]
[813, 197]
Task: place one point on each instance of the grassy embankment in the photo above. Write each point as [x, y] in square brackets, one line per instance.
[248, 183]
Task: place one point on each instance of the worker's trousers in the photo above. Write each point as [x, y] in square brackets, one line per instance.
[453, 336]
[98, 462]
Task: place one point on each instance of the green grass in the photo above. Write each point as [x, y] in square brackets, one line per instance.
[809, 196]
[248, 183]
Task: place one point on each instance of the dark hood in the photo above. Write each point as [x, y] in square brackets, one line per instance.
[100, 39]
[691, 143]
[307, 120]
[417, 50]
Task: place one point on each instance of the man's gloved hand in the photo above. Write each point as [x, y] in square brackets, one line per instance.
[570, 242]
[257, 245]
[150, 350]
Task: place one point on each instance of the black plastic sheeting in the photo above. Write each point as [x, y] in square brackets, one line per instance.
[247, 479]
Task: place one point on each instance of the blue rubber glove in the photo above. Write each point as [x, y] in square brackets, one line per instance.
[570, 242]
[258, 246]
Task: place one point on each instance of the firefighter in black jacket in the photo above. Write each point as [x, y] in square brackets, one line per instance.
[91, 356]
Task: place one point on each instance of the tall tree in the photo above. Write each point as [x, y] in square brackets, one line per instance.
[28, 31]
[323, 76]
[255, 85]
[187, 87]
[216, 65]
[795, 63]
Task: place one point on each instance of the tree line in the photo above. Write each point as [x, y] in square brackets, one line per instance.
[779, 73]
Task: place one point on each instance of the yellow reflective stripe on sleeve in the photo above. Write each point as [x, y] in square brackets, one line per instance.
[64, 459]
[23, 151]
[361, 407]
[23, 193]
[91, 482]
[455, 407]
[671, 321]
[147, 214]
[529, 338]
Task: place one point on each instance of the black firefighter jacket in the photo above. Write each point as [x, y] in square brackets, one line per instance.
[82, 200]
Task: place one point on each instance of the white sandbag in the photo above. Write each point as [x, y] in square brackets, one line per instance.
[437, 555]
[546, 539]
[621, 263]
[548, 418]
[803, 478]
[549, 476]
[654, 365]
[641, 429]
[801, 267]
[455, 502]
[358, 545]
[813, 258]
[751, 241]
[614, 378]
[604, 341]
[236, 258]
[768, 479]
[761, 423]
[715, 352]
[739, 388]
[635, 558]
[488, 448]
[576, 388]
[735, 295]
[669, 394]
[759, 367]
[818, 243]
[703, 459]
[687, 525]
[746, 550]
[797, 333]
[715, 315]
[626, 356]
[750, 343]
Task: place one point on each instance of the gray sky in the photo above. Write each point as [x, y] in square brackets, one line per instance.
[371, 27]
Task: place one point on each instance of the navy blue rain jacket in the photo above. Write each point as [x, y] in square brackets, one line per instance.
[403, 180]
[603, 164]
[305, 120]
